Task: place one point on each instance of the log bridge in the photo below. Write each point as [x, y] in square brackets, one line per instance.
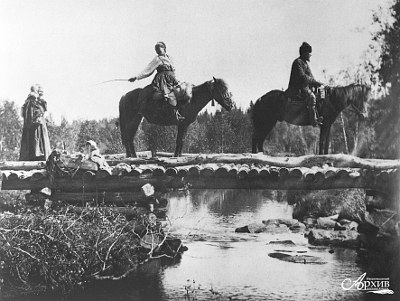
[209, 171]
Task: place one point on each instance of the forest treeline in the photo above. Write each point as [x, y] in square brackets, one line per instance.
[221, 132]
[230, 132]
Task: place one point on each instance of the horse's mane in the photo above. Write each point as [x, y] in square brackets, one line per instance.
[351, 91]
[200, 87]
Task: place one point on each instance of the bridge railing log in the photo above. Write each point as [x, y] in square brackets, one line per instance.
[334, 160]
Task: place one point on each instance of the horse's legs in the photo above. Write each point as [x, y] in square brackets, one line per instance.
[254, 142]
[131, 132]
[182, 130]
[260, 135]
[327, 139]
[257, 141]
[324, 139]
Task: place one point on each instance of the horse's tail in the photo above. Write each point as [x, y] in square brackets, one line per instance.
[123, 120]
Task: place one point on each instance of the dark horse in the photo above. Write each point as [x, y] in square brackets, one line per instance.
[161, 113]
[275, 106]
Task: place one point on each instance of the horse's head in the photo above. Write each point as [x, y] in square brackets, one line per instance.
[220, 92]
[359, 103]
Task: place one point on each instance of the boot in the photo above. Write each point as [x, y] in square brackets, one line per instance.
[314, 120]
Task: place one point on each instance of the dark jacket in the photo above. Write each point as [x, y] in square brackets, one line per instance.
[301, 78]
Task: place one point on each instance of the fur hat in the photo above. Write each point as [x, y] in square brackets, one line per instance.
[305, 48]
[160, 44]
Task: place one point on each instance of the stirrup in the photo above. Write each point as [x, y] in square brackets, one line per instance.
[178, 115]
[318, 121]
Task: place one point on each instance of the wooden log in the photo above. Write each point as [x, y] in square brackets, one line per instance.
[22, 165]
[106, 197]
[19, 175]
[89, 175]
[319, 177]
[121, 169]
[233, 171]
[342, 174]
[254, 171]
[159, 171]
[382, 177]
[208, 170]
[136, 171]
[274, 174]
[112, 183]
[243, 171]
[183, 171]
[330, 173]
[264, 172]
[39, 174]
[129, 212]
[295, 173]
[171, 171]
[147, 169]
[309, 177]
[283, 173]
[335, 160]
[194, 171]
[103, 173]
[369, 177]
[223, 170]
[25, 184]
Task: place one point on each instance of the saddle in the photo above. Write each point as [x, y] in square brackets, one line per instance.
[320, 93]
[296, 105]
[180, 94]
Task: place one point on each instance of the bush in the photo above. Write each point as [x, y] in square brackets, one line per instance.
[348, 203]
[59, 252]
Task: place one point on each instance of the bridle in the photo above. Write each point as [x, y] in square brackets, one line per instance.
[357, 110]
[226, 96]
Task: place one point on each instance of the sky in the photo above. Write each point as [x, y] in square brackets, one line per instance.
[69, 46]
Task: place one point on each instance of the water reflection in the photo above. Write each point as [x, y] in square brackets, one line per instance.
[219, 212]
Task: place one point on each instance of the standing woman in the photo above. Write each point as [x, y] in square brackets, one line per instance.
[35, 143]
[165, 80]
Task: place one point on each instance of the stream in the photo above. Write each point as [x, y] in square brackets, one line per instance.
[223, 265]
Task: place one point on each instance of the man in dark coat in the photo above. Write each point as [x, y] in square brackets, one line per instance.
[301, 81]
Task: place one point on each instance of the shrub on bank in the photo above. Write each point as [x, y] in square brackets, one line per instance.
[348, 203]
[59, 252]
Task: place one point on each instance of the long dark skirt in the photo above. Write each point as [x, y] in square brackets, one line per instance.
[35, 143]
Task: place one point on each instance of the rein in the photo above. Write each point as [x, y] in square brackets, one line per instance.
[224, 96]
[336, 111]
[210, 90]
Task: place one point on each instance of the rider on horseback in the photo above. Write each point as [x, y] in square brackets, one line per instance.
[165, 81]
[301, 81]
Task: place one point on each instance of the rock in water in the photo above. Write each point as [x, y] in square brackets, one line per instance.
[244, 229]
[282, 242]
[326, 222]
[305, 259]
[344, 238]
